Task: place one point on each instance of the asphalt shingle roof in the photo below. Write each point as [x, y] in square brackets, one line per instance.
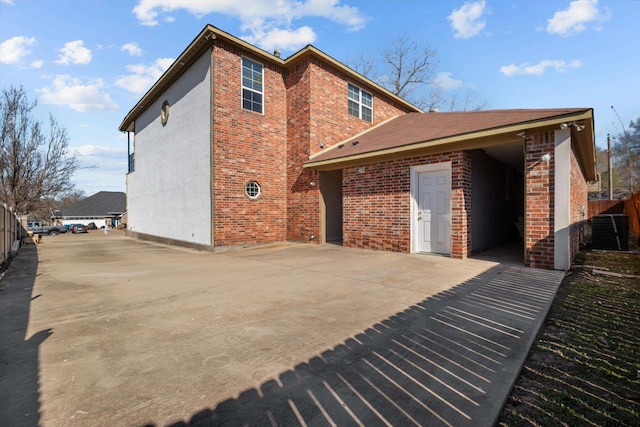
[414, 128]
[101, 204]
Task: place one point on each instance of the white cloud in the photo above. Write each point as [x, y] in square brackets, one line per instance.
[14, 49]
[575, 18]
[132, 49]
[267, 21]
[283, 39]
[445, 81]
[539, 69]
[37, 64]
[9, 2]
[71, 92]
[102, 168]
[467, 21]
[101, 151]
[74, 53]
[143, 76]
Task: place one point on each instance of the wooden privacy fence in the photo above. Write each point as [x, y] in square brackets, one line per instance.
[630, 207]
[9, 232]
[599, 207]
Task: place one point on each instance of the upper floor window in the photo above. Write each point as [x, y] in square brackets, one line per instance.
[252, 86]
[360, 103]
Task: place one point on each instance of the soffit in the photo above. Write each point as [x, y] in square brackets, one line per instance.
[423, 133]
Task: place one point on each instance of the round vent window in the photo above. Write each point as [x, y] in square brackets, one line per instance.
[164, 112]
[252, 190]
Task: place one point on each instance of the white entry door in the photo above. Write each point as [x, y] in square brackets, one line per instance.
[433, 212]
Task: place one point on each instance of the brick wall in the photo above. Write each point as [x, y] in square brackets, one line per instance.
[377, 203]
[303, 199]
[461, 204]
[539, 201]
[306, 105]
[247, 146]
[579, 200]
[317, 114]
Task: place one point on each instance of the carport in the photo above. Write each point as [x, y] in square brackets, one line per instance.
[497, 202]
[458, 184]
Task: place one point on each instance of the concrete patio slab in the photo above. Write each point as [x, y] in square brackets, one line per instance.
[104, 330]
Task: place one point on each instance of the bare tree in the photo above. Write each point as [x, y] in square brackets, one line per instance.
[49, 207]
[69, 198]
[34, 165]
[463, 100]
[407, 70]
[626, 156]
[409, 66]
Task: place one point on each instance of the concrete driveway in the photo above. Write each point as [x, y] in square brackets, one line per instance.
[101, 329]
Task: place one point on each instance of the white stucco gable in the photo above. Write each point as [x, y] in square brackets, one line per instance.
[173, 161]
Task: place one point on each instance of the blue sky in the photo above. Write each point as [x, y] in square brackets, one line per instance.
[89, 62]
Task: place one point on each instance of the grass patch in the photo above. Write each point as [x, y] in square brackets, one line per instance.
[583, 367]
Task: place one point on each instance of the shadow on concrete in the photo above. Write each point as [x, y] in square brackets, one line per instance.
[510, 253]
[19, 395]
[450, 360]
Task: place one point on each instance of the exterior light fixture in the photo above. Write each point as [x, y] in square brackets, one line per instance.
[546, 157]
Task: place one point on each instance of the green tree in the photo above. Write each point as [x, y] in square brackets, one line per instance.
[35, 164]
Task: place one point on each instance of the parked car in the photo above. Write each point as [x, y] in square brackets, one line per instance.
[36, 227]
[79, 228]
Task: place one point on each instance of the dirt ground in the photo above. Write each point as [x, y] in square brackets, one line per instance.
[584, 369]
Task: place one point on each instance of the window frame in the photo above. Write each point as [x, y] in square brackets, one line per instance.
[257, 185]
[359, 102]
[250, 89]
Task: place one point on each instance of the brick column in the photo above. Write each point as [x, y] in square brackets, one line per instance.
[460, 204]
[539, 201]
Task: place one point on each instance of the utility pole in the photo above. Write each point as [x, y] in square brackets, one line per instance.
[609, 167]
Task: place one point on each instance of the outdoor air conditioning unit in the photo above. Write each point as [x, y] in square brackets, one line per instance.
[610, 232]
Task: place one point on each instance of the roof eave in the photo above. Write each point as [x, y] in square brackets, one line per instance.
[584, 144]
[205, 40]
[467, 141]
[202, 41]
[359, 78]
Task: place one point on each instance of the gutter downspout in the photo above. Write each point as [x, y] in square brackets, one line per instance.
[212, 140]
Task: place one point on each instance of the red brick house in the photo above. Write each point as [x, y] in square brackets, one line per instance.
[235, 146]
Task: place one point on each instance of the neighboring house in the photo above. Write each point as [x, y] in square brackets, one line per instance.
[104, 208]
[234, 146]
